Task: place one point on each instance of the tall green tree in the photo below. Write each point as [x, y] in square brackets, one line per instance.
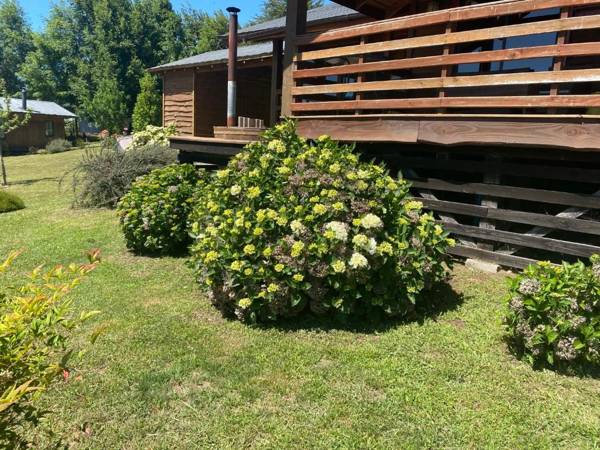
[50, 68]
[157, 32]
[274, 9]
[203, 32]
[147, 109]
[16, 40]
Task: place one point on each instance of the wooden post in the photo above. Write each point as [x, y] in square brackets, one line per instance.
[2, 166]
[446, 70]
[561, 38]
[231, 67]
[360, 77]
[276, 67]
[491, 177]
[295, 25]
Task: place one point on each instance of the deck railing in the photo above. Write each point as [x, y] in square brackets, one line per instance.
[507, 57]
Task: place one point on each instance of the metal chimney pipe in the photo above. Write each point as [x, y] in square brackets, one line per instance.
[232, 67]
[24, 99]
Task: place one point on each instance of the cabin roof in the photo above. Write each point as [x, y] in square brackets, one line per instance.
[245, 52]
[323, 14]
[39, 107]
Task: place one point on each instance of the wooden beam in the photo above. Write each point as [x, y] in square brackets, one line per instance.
[503, 191]
[525, 29]
[561, 223]
[526, 101]
[443, 82]
[450, 131]
[276, 78]
[545, 51]
[295, 25]
[523, 240]
[473, 12]
[486, 255]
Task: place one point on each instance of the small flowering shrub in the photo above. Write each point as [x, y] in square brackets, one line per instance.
[153, 135]
[37, 324]
[289, 227]
[554, 313]
[154, 213]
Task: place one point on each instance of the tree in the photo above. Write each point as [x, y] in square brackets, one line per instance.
[9, 121]
[274, 9]
[203, 32]
[49, 69]
[15, 42]
[147, 109]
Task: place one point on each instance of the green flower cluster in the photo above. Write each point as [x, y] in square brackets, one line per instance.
[153, 214]
[289, 226]
[554, 313]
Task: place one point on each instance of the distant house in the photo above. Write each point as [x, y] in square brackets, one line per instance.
[47, 123]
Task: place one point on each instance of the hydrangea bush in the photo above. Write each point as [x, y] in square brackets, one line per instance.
[290, 226]
[554, 313]
[154, 213]
[153, 135]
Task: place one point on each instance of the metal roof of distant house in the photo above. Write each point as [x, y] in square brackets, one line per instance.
[323, 14]
[219, 56]
[39, 107]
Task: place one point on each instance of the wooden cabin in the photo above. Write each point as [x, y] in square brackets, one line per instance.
[491, 109]
[46, 124]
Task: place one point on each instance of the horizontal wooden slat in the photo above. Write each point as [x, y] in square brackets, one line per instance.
[518, 170]
[495, 9]
[548, 26]
[507, 237]
[561, 223]
[503, 191]
[562, 50]
[504, 79]
[486, 255]
[531, 101]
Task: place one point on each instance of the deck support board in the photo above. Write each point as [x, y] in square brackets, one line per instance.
[570, 134]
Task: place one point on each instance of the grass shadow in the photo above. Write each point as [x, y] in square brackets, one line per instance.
[441, 299]
[33, 181]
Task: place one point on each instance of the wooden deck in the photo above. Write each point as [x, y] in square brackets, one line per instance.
[206, 150]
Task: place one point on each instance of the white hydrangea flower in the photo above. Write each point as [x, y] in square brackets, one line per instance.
[297, 227]
[371, 221]
[358, 261]
[339, 228]
[371, 246]
[235, 189]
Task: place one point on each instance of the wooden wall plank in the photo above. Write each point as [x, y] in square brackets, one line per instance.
[461, 37]
[561, 223]
[472, 12]
[545, 51]
[486, 255]
[504, 191]
[526, 101]
[504, 79]
[507, 237]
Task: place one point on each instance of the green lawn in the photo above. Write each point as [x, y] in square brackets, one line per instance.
[171, 373]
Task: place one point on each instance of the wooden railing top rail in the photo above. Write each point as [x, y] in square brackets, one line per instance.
[547, 26]
[495, 9]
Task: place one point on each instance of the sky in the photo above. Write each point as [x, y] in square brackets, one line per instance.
[37, 10]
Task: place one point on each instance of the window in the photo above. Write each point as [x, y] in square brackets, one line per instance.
[49, 129]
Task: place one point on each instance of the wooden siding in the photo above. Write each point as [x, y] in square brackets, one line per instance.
[211, 101]
[179, 101]
[33, 134]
